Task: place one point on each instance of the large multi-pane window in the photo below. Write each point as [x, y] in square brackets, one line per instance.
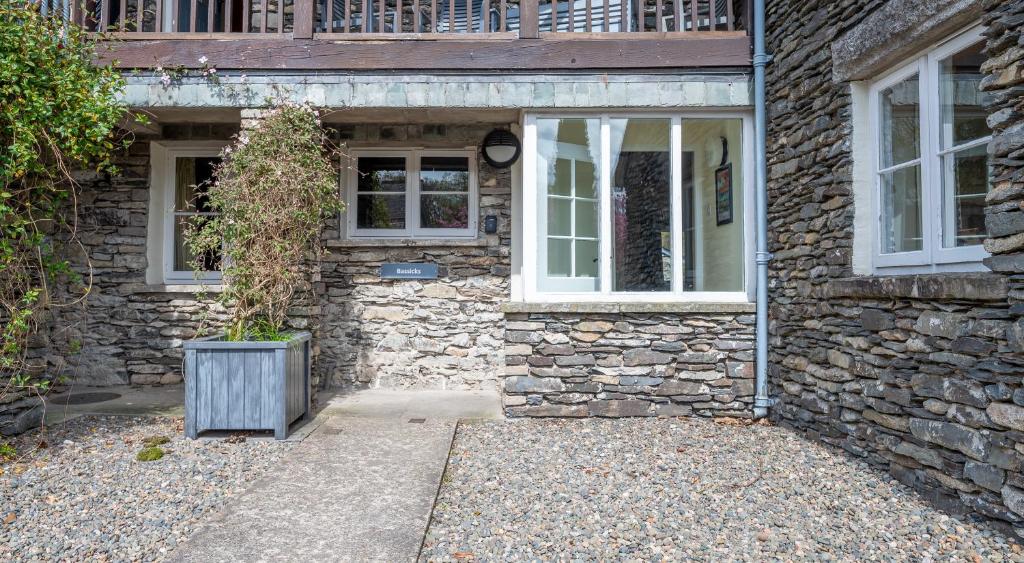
[412, 193]
[634, 207]
[931, 162]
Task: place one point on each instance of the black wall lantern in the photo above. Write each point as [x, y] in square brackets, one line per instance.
[501, 148]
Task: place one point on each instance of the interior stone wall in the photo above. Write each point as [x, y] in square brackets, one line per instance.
[917, 375]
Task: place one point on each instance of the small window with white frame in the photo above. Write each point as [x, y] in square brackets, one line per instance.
[412, 193]
[931, 163]
[182, 175]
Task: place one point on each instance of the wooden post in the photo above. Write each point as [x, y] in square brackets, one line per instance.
[529, 19]
[303, 24]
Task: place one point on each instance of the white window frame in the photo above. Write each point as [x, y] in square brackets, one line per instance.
[531, 213]
[412, 195]
[932, 257]
[161, 225]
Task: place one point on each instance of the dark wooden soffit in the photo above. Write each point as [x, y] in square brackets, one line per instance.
[517, 54]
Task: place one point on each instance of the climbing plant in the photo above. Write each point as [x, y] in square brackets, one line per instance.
[272, 192]
[60, 112]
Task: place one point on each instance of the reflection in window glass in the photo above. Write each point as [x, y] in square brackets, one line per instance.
[641, 204]
[444, 192]
[902, 230]
[192, 180]
[901, 123]
[712, 220]
[900, 176]
[963, 131]
[380, 197]
[568, 161]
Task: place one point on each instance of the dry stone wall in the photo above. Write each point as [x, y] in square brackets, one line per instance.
[629, 364]
[918, 375]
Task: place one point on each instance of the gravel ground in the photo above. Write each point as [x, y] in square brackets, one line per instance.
[84, 497]
[681, 489]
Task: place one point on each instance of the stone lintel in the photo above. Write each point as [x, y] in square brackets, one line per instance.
[897, 30]
[969, 287]
[686, 308]
[422, 91]
[417, 243]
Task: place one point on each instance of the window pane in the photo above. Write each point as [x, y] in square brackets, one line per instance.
[586, 259]
[712, 251]
[375, 211]
[901, 123]
[964, 185]
[444, 174]
[193, 177]
[902, 230]
[381, 174]
[641, 200]
[184, 259]
[444, 211]
[568, 158]
[559, 217]
[586, 218]
[963, 102]
[560, 257]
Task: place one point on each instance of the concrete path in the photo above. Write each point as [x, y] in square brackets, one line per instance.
[159, 400]
[360, 487]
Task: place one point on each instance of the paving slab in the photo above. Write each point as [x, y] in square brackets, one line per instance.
[414, 403]
[356, 489]
[134, 400]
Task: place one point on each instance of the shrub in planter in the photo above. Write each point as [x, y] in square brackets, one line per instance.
[274, 188]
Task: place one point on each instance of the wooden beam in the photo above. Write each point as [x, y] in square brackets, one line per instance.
[529, 19]
[663, 51]
[302, 24]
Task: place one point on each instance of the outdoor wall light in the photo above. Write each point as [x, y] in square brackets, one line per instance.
[501, 148]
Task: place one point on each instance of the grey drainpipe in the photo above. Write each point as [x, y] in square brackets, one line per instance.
[761, 58]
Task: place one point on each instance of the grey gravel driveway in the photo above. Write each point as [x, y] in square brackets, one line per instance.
[84, 497]
[680, 489]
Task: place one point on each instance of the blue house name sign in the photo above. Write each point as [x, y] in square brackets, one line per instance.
[408, 271]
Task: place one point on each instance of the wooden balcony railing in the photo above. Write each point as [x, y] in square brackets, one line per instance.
[400, 19]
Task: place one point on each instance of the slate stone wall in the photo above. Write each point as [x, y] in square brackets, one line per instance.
[918, 375]
[445, 333]
[438, 334]
[128, 331]
[629, 364]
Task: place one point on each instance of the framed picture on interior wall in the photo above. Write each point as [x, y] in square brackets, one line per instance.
[723, 193]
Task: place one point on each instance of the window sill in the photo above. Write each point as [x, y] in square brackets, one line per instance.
[408, 242]
[178, 288]
[673, 307]
[959, 286]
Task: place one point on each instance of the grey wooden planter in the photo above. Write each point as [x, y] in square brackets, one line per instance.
[246, 385]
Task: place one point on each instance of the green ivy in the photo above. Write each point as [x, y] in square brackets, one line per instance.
[60, 112]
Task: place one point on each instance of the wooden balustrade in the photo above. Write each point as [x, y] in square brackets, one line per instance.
[402, 19]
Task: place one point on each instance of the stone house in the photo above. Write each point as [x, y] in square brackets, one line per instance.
[896, 167]
[609, 269]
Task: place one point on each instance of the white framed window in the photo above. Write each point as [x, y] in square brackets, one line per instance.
[412, 193]
[930, 160]
[636, 207]
[181, 175]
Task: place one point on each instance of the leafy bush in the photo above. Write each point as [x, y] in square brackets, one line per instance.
[60, 111]
[273, 189]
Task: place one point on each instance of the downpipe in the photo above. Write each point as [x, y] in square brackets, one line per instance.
[762, 402]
